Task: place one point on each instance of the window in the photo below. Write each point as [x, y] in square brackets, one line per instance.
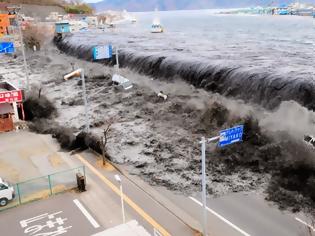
[3, 187]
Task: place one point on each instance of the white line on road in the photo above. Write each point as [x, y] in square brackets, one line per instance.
[86, 213]
[306, 224]
[221, 218]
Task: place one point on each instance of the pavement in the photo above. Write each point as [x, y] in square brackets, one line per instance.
[140, 206]
[156, 209]
[59, 215]
[32, 152]
[40, 155]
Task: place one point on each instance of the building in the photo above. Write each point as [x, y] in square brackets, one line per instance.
[11, 106]
[4, 24]
[92, 21]
[62, 27]
[54, 16]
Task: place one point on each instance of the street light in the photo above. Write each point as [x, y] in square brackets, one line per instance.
[15, 10]
[80, 72]
[117, 177]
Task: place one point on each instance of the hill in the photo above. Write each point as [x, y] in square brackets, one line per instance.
[149, 5]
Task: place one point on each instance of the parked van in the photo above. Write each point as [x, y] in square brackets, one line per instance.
[6, 193]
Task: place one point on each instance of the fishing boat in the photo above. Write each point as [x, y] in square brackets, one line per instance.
[156, 24]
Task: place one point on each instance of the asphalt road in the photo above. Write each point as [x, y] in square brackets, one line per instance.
[232, 215]
[62, 215]
[138, 205]
[242, 215]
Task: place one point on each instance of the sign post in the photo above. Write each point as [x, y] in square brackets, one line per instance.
[227, 137]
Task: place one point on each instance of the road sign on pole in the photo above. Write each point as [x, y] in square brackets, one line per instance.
[102, 52]
[7, 47]
[230, 136]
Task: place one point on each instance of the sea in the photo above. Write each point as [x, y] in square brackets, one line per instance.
[273, 49]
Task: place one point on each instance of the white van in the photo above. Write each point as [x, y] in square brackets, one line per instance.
[6, 193]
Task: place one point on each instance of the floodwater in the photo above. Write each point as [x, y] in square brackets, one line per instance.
[231, 53]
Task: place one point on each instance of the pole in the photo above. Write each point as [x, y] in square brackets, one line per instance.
[117, 59]
[87, 122]
[50, 187]
[23, 52]
[204, 184]
[122, 203]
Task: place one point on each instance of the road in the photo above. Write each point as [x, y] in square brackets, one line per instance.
[104, 196]
[241, 214]
[153, 207]
[234, 215]
[58, 215]
[40, 155]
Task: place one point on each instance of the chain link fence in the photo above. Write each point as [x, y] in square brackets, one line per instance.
[43, 187]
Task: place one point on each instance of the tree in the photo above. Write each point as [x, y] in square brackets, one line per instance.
[104, 139]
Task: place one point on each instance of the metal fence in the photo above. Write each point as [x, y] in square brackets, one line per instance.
[44, 187]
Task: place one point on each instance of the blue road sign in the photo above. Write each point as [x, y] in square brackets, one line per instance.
[7, 47]
[230, 136]
[102, 52]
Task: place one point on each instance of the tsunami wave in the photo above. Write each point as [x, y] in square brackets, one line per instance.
[261, 87]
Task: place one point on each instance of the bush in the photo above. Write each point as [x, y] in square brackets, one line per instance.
[79, 9]
[38, 108]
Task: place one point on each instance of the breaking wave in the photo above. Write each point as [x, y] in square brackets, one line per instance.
[263, 88]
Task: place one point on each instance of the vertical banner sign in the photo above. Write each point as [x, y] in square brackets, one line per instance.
[102, 52]
[7, 47]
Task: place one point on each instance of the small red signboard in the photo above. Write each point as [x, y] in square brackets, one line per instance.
[11, 96]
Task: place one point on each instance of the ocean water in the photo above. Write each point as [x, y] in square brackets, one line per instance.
[276, 51]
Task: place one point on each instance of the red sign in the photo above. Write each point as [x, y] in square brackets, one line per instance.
[11, 96]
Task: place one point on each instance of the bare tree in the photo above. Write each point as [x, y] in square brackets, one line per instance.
[106, 136]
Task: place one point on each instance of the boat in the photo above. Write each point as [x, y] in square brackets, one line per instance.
[156, 24]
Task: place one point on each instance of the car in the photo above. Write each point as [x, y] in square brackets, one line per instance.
[122, 82]
[7, 193]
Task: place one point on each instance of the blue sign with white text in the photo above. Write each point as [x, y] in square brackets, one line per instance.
[102, 52]
[7, 47]
[230, 136]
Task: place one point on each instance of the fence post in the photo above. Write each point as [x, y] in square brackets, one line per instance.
[49, 181]
[18, 192]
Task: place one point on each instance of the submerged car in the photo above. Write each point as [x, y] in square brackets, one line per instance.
[310, 140]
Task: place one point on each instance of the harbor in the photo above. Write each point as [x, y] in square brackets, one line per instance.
[294, 9]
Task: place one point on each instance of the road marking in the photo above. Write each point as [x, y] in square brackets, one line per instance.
[86, 213]
[306, 224]
[133, 205]
[221, 218]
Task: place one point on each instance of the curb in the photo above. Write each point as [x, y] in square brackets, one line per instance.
[157, 197]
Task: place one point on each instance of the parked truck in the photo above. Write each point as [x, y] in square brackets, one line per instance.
[7, 193]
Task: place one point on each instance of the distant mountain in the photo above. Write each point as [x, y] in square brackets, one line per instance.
[150, 5]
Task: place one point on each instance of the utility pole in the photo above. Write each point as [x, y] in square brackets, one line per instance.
[16, 10]
[77, 73]
[117, 59]
[87, 121]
